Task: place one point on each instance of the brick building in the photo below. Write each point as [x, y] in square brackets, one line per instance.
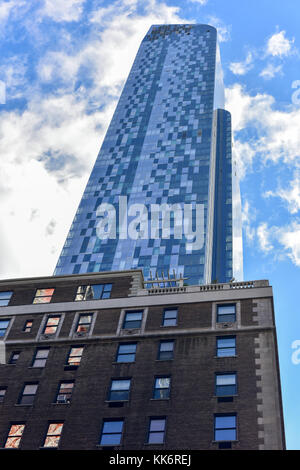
[97, 361]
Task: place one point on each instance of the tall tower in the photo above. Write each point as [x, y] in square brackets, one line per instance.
[168, 148]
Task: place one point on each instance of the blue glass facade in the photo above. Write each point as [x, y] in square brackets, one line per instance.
[167, 143]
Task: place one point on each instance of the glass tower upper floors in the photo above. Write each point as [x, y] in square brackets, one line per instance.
[165, 150]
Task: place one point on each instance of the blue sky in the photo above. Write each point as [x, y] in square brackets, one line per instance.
[64, 63]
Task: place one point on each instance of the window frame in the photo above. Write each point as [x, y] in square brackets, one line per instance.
[149, 432]
[22, 395]
[225, 415]
[78, 324]
[68, 364]
[11, 292]
[45, 296]
[16, 436]
[218, 392]
[50, 423]
[35, 358]
[126, 354]
[164, 319]
[111, 391]
[223, 315]
[13, 361]
[121, 434]
[54, 326]
[104, 290]
[25, 327]
[69, 395]
[218, 338]
[164, 341]
[132, 312]
[158, 389]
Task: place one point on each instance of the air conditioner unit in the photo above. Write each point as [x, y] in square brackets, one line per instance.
[62, 399]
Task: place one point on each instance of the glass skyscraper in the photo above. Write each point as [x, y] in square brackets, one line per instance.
[168, 148]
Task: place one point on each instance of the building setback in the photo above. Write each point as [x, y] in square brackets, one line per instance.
[169, 143]
[97, 361]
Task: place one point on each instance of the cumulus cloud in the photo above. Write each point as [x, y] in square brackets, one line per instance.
[224, 31]
[241, 68]
[279, 45]
[66, 10]
[291, 195]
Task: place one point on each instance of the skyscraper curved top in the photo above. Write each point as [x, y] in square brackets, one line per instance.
[160, 195]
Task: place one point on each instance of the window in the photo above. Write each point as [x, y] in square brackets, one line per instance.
[3, 327]
[14, 357]
[226, 313]
[119, 390]
[40, 357]
[65, 390]
[156, 434]
[226, 346]
[5, 298]
[2, 393]
[52, 325]
[29, 391]
[133, 320]
[84, 323]
[126, 352]
[166, 350]
[14, 436]
[74, 356]
[162, 388]
[43, 296]
[53, 434]
[226, 384]
[225, 427]
[170, 317]
[93, 292]
[112, 432]
[28, 326]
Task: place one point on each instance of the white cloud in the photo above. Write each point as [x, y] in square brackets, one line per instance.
[241, 68]
[248, 218]
[63, 10]
[47, 150]
[289, 237]
[6, 8]
[279, 45]
[270, 71]
[264, 238]
[202, 2]
[291, 195]
[223, 29]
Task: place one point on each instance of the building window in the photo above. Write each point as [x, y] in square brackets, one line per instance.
[119, 390]
[226, 346]
[112, 432]
[84, 323]
[53, 434]
[40, 357]
[64, 393]
[226, 384]
[52, 325]
[226, 313]
[162, 388]
[14, 436]
[170, 317]
[28, 394]
[157, 427]
[93, 292]
[2, 393]
[5, 298]
[28, 326]
[225, 427]
[126, 352]
[75, 356]
[166, 350]
[3, 327]
[133, 320]
[14, 357]
[43, 296]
